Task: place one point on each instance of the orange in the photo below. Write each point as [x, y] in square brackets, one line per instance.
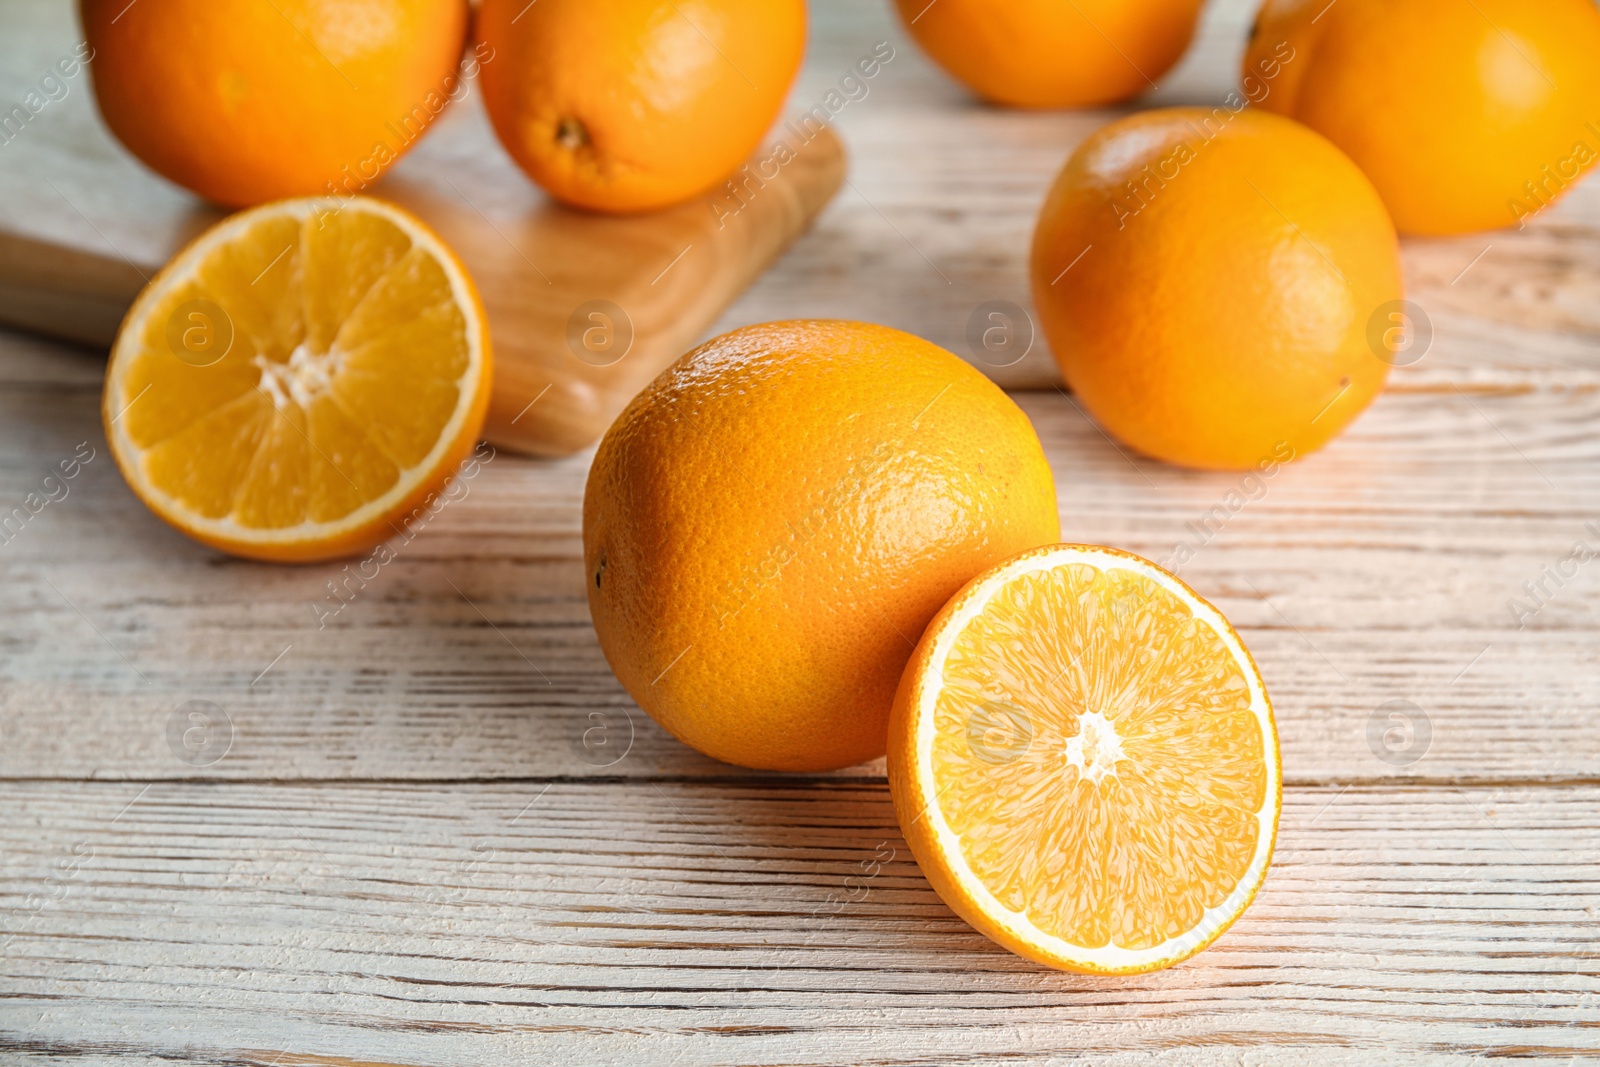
[1209, 282]
[1045, 53]
[244, 101]
[1466, 114]
[769, 526]
[631, 105]
[1084, 762]
[300, 379]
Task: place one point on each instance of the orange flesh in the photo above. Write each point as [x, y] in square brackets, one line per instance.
[1098, 757]
[348, 353]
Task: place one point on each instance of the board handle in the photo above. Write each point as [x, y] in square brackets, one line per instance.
[586, 310]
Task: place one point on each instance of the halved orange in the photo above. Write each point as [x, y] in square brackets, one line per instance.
[297, 381]
[1084, 762]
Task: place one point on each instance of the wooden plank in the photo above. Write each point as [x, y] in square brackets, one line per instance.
[1380, 570]
[759, 922]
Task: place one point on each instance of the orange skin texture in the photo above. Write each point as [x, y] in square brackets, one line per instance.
[1049, 54]
[245, 102]
[771, 524]
[1219, 318]
[1450, 106]
[632, 105]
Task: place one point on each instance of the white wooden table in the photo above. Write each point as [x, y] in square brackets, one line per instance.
[436, 831]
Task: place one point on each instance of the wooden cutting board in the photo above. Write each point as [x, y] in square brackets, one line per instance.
[584, 309]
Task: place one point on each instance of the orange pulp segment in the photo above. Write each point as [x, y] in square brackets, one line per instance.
[1084, 761]
[299, 378]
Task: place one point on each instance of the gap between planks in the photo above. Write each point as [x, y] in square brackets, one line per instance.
[756, 781]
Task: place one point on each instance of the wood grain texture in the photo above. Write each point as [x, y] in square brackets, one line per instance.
[584, 309]
[756, 922]
[1382, 569]
[347, 869]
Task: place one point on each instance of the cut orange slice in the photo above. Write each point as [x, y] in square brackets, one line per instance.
[296, 382]
[1084, 762]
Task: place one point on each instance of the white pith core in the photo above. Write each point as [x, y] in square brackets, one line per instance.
[1096, 748]
[306, 376]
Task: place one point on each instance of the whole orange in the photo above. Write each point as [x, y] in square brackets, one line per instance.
[1209, 282]
[1466, 114]
[243, 101]
[770, 525]
[1044, 53]
[631, 105]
